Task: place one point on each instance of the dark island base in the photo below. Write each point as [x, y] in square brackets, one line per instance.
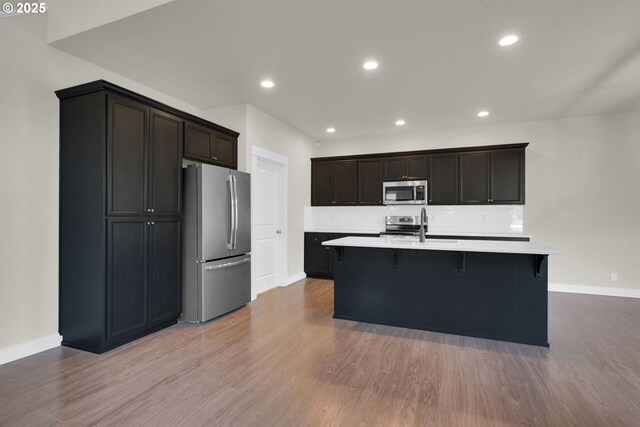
[487, 295]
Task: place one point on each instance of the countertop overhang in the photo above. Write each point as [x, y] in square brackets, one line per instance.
[391, 242]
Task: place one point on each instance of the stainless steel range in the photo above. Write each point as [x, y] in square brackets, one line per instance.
[402, 226]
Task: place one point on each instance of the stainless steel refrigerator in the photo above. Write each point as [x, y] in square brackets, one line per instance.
[216, 250]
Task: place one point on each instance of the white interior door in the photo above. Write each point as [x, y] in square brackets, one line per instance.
[268, 230]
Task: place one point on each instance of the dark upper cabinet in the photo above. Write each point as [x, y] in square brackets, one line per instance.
[370, 173]
[405, 167]
[507, 177]
[334, 183]
[166, 164]
[225, 150]
[198, 142]
[323, 183]
[394, 169]
[475, 175]
[416, 167]
[127, 136]
[144, 159]
[492, 177]
[346, 183]
[443, 179]
[164, 270]
[209, 145]
[474, 178]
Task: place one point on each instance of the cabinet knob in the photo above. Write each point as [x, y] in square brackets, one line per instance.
[214, 158]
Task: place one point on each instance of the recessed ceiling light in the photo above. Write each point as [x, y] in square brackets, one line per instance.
[370, 65]
[331, 130]
[483, 114]
[400, 122]
[267, 83]
[508, 40]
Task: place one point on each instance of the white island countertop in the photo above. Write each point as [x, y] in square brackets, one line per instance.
[480, 234]
[393, 242]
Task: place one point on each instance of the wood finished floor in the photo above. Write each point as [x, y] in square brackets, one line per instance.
[284, 361]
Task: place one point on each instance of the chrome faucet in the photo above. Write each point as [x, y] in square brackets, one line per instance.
[424, 223]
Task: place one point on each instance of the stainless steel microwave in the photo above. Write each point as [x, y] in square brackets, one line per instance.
[404, 192]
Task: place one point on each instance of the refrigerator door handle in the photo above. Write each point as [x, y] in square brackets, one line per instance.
[229, 264]
[231, 213]
[235, 205]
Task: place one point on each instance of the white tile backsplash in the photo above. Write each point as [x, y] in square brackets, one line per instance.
[467, 219]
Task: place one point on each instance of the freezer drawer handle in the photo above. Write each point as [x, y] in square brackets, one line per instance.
[229, 264]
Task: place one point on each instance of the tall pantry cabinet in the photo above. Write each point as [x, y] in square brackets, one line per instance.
[120, 213]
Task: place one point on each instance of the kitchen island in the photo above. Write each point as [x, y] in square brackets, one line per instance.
[487, 289]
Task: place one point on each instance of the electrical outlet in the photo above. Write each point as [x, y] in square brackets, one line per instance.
[614, 277]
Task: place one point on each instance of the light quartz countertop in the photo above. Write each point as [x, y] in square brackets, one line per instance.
[393, 242]
[435, 233]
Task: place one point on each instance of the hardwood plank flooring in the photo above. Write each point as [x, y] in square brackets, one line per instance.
[284, 361]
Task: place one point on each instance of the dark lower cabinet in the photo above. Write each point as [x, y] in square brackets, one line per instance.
[164, 270]
[120, 215]
[319, 260]
[127, 278]
[144, 267]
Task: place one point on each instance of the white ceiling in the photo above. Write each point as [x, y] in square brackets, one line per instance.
[439, 59]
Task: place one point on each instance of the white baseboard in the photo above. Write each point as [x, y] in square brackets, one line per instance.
[595, 290]
[294, 278]
[29, 348]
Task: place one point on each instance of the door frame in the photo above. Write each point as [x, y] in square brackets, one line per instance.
[281, 267]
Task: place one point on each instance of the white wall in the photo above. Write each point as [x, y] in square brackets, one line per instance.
[31, 72]
[582, 188]
[269, 133]
[262, 130]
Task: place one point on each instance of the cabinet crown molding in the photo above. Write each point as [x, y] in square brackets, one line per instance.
[103, 85]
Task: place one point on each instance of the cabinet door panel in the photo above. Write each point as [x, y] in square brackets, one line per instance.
[323, 184]
[443, 179]
[315, 260]
[164, 270]
[127, 139]
[346, 182]
[370, 173]
[225, 151]
[416, 167]
[198, 142]
[166, 160]
[127, 289]
[394, 168]
[474, 178]
[507, 177]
